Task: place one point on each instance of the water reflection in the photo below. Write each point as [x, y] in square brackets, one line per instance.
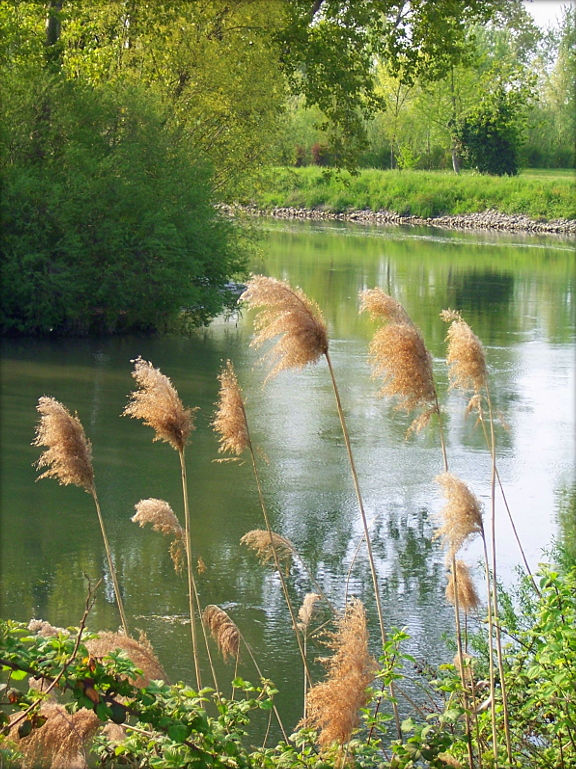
[517, 294]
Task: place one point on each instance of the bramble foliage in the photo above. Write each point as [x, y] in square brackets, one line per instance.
[108, 222]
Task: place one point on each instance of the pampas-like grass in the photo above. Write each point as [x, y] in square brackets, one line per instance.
[230, 419]
[68, 456]
[306, 611]
[163, 519]
[289, 314]
[158, 405]
[398, 355]
[461, 516]
[224, 631]
[259, 540]
[140, 652]
[334, 705]
[61, 743]
[465, 355]
[468, 599]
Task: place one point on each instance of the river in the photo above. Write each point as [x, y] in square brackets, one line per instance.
[517, 292]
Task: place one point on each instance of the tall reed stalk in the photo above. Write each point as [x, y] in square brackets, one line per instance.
[231, 423]
[68, 458]
[158, 405]
[297, 324]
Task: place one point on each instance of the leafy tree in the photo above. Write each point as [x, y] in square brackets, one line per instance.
[108, 221]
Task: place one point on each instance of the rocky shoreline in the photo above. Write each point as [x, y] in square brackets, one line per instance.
[487, 220]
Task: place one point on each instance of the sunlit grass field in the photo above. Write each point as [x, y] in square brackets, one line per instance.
[538, 193]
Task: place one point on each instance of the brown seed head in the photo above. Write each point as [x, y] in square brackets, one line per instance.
[461, 516]
[230, 419]
[62, 742]
[140, 652]
[398, 355]
[289, 314]
[68, 456]
[223, 629]
[157, 404]
[259, 541]
[159, 514]
[382, 306]
[465, 356]
[468, 599]
[334, 705]
[306, 611]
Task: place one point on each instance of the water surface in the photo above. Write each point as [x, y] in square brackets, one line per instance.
[516, 292]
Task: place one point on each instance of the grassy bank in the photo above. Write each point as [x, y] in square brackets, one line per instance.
[538, 194]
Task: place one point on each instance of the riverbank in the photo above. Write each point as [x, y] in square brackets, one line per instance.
[534, 201]
[487, 220]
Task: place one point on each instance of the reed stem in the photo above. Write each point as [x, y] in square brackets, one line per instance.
[111, 565]
[191, 582]
[494, 579]
[274, 708]
[491, 653]
[365, 525]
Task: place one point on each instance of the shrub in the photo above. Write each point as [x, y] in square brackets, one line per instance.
[108, 218]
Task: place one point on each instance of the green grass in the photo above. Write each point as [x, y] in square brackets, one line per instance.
[538, 193]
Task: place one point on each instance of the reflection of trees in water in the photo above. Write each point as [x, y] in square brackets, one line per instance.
[485, 297]
[566, 514]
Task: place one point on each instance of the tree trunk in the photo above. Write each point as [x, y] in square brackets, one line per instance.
[455, 161]
[53, 23]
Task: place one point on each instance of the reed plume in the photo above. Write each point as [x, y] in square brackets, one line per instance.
[230, 418]
[61, 742]
[68, 458]
[465, 356]
[306, 611]
[398, 355]
[461, 516]
[140, 653]
[467, 596]
[163, 519]
[158, 405]
[224, 631]
[264, 544]
[334, 705]
[289, 314]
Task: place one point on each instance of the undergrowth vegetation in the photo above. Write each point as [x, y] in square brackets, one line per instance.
[422, 193]
[71, 697]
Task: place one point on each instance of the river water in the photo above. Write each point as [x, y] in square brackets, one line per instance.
[518, 295]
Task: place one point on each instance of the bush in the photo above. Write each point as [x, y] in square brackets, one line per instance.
[108, 219]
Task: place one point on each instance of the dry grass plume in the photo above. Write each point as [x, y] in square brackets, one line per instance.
[61, 743]
[334, 705]
[399, 356]
[465, 355]
[163, 519]
[461, 516]
[306, 611]
[224, 631]
[468, 599]
[259, 541]
[158, 405]
[68, 456]
[140, 652]
[230, 419]
[289, 314]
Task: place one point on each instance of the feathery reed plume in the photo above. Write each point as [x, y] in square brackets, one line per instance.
[306, 611]
[140, 653]
[264, 544]
[45, 629]
[68, 456]
[291, 315]
[224, 631]
[465, 356]
[398, 355]
[334, 705]
[163, 519]
[158, 405]
[230, 418]
[461, 515]
[62, 742]
[69, 459]
[382, 306]
[467, 596]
